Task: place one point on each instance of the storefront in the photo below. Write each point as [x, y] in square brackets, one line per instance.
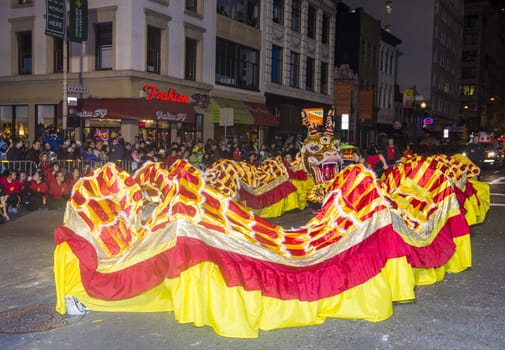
[14, 120]
[160, 121]
[241, 121]
[289, 110]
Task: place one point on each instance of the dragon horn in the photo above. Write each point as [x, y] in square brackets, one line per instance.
[329, 125]
[311, 126]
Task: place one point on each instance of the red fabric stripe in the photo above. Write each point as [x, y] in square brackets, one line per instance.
[346, 270]
[268, 198]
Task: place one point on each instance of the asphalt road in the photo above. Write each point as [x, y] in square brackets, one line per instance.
[465, 311]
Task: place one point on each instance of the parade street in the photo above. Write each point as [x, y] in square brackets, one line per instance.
[464, 311]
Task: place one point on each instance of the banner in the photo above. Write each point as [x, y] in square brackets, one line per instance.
[408, 98]
[78, 28]
[343, 98]
[365, 105]
[315, 115]
[55, 18]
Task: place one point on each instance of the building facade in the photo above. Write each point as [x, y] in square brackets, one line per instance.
[298, 56]
[430, 61]
[358, 45]
[130, 76]
[483, 67]
[168, 70]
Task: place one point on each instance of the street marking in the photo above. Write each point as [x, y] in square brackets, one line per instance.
[497, 181]
[497, 194]
[498, 204]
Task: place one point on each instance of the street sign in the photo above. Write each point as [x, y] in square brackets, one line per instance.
[78, 28]
[55, 18]
[72, 101]
[77, 89]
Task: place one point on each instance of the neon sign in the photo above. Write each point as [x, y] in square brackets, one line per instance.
[153, 93]
[428, 121]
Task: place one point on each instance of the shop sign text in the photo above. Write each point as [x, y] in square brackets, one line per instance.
[153, 93]
[97, 113]
[179, 117]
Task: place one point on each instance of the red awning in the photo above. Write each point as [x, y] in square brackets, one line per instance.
[261, 114]
[131, 108]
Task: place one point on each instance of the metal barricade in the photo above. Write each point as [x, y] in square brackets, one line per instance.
[27, 166]
[70, 164]
[128, 165]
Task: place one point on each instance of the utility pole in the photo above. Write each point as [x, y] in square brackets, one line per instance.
[65, 100]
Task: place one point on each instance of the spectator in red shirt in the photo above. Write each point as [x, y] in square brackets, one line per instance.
[391, 152]
[50, 173]
[58, 192]
[72, 177]
[237, 154]
[172, 157]
[12, 189]
[252, 160]
[35, 193]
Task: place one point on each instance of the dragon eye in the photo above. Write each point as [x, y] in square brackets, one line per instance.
[325, 140]
[314, 148]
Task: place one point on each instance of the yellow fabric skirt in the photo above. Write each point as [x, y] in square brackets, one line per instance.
[295, 200]
[200, 296]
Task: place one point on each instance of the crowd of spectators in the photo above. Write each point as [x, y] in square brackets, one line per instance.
[49, 184]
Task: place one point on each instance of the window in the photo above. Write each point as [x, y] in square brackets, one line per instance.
[324, 78]
[362, 51]
[325, 31]
[468, 90]
[296, 14]
[103, 41]
[278, 12]
[309, 74]
[191, 56]
[245, 11]
[192, 5]
[58, 55]
[24, 52]
[389, 7]
[248, 68]
[374, 57]
[471, 22]
[368, 54]
[45, 115]
[470, 38]
[311, 23]
[276, 64]
[153, 49]
[236, 65]
[294, 69]
[382, 60]
[469, 56]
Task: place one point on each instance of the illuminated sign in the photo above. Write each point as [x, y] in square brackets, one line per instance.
[97, 113]
[153, 93]
[428, 121]
[179, 117]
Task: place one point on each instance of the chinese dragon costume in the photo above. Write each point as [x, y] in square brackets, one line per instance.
[166, 240]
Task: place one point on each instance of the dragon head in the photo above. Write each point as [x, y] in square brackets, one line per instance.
[321, 150]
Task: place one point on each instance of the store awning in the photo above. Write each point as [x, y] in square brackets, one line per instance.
[262, 115]
[241, 114]
[131, 108]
